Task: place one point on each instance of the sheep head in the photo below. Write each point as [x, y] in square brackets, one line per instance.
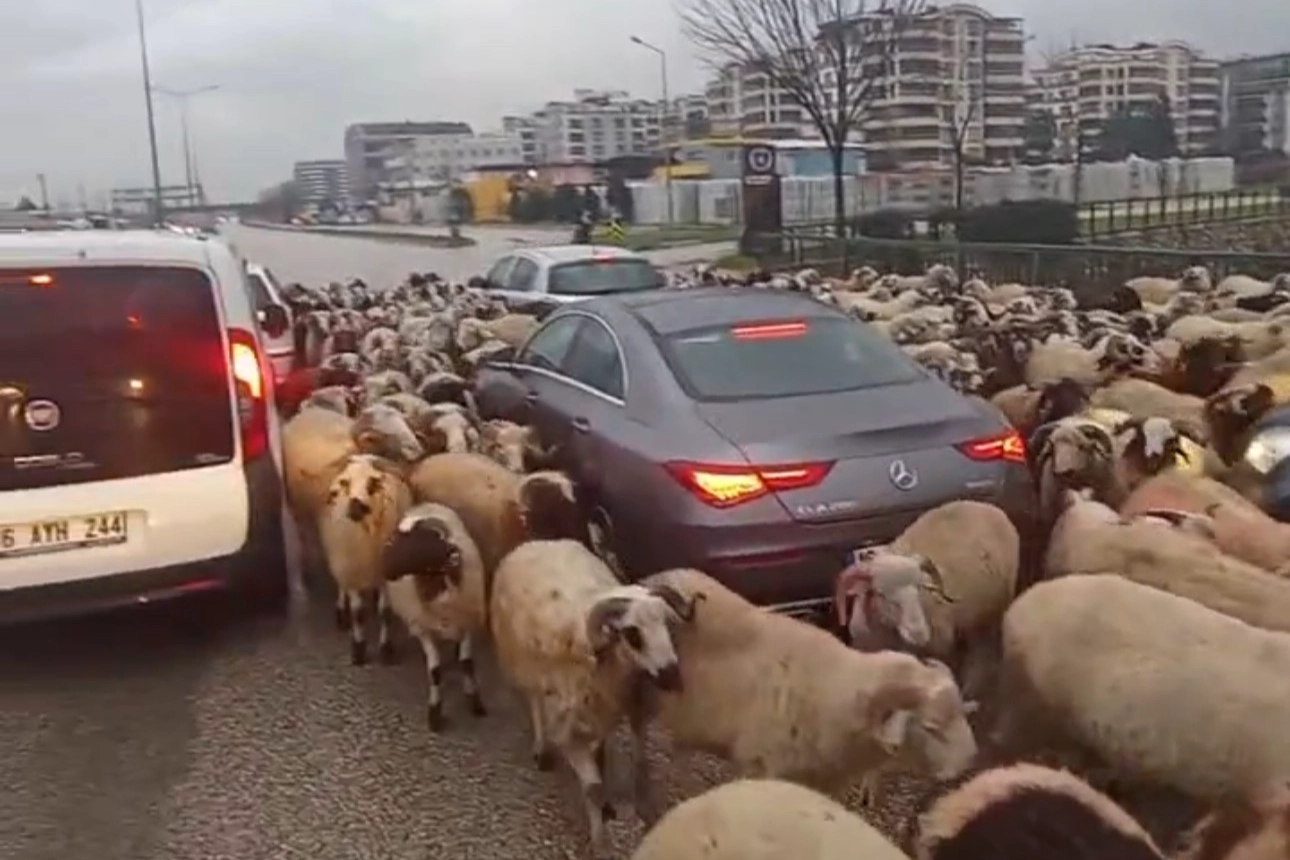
[505, 442]
[880, 592]
[1151, 445]
[1231, 413]
[382, 429]
[350, 362]
[635, 623]
[362, 487]
[550, 509]
[1208, 363]
[1058, 400]
[457, 431]
[923, 713]
[444, 387]
[1125, 354]
[1075, 450]
[1196, 279]
[423, 547]
[1199, 525]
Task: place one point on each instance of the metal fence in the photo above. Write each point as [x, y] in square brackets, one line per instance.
[1091, 270]
[1124, 216]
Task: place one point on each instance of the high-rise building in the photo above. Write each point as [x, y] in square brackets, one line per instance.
[370, 145]
[321, 181]
[743, 102]
[1085, 87]
[445, 157]
[594, 126]
[1256, 104]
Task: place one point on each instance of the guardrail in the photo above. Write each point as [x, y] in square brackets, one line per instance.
[1127, 216]
[1090, 270]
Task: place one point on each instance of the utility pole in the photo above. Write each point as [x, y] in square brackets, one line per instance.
[44, 192]
[192, 182]
[667, 109]
[158, 211]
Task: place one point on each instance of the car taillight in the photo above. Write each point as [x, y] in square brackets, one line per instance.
[723, 485]
[1007, 445]
[769, 330]
[252, 398]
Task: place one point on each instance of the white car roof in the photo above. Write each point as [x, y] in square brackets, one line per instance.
[86, 247]
[574, 253]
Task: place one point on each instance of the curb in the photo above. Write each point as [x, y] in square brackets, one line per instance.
[431, 239]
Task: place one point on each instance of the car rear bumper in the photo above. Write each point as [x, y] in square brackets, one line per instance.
[792, 567]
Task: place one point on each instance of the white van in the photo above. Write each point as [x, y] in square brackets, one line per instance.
[138, 443]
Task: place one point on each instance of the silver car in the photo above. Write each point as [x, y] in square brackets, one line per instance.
[560, 274]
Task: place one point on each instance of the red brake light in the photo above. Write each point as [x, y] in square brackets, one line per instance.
[769, 331]
[1007, 445]
[252, 403]
[42, 280]
[723, 485]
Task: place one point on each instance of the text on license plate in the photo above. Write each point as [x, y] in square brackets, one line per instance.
[56, 535]
[854, 555]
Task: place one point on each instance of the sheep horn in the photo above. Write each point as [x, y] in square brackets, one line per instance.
[934, 583]
[601, 619]
[683, 607]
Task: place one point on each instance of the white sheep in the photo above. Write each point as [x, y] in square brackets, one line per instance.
[1259, 339]
[783, 699]
[1144, 399]
[764, 819]
[573, 640]
[1017, 812]
[365, 503]
[1196, 279]
[1114, 355]
[1084, 542]
[507, 443]
[436, 582]
[941, 587]
[1161, 688]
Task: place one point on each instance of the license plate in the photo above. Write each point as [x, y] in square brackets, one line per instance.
[60, 535]
[854, 555]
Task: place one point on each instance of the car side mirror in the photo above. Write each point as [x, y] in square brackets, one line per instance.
[274, 320]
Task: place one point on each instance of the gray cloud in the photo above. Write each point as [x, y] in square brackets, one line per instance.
[293, 73]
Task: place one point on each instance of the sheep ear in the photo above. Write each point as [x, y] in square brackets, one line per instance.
[892, 731]
[890, 709]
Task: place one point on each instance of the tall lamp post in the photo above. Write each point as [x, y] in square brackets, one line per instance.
[667, 108]
[157, 206]
[191, 179]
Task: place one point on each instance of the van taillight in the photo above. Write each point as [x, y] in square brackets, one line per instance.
[252, 399]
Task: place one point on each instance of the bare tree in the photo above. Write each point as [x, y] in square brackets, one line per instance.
[963, 113]
[832, 58]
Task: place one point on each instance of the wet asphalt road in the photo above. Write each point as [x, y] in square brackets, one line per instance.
[184, 733]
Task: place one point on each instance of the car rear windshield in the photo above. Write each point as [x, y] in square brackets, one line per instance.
[110, 372]
[784, 358]
[600, 277]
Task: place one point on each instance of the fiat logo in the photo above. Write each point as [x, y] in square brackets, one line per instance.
[42, 414]
[902, 477]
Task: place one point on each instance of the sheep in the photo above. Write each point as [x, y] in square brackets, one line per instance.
[445, 387]
[1073, 452]
[1195, 279]
[1231, 415]
[763, 819]
[365, 503]
[1084, 542]
[436, 582]
[1114, 355]
[782, 699]
[1240, 528]
[506, 442]
[1260, 339]
[943, 584]
[1161, 688]
[1255, 826]
[573, 642]
[1027, 811]
[1144, 399]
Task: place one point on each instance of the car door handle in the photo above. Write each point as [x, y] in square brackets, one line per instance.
[582, 425]
[531, 397]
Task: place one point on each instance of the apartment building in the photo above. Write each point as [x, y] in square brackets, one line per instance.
[525, 129]
[321, 181]
[956, 76]
[745, 102]
[1084, 87]
[369, 145]
[1255, 104]
[434, 159]
[594, 126]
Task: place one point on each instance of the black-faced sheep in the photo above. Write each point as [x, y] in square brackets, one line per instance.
[436, 583]
[763, 819]
[1027, 812]
[783, 699]
[574, 642]
[365, 503]
[1162, 689]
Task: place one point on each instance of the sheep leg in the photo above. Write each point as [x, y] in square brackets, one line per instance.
[646, 807]
[466, 659]
[385, 615]
[357, 629]
[434, 674]
[582, 759]
[543, 755]
[343, 618]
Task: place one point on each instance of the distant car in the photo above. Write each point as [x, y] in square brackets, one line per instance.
[560, 274]
[1266, 459]
[138, 446]
[760, 436]
[274, 317]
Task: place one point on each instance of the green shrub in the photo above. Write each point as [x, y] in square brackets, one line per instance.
[1039, 222]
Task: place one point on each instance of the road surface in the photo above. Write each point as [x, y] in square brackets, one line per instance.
[184, 735]
[317, 259]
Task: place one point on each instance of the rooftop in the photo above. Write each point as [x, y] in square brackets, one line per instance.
[86, 247]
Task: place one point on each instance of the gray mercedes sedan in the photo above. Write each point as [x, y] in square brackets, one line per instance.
[757, 435]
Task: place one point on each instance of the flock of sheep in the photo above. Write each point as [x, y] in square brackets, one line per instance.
[1150, 633]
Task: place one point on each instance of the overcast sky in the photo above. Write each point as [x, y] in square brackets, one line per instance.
[293, 73]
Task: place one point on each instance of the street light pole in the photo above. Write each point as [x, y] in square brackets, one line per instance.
[191, 178]
[667, 108]
[157, 210]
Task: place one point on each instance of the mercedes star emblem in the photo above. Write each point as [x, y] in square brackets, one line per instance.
[42, 414]
[902, 477]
